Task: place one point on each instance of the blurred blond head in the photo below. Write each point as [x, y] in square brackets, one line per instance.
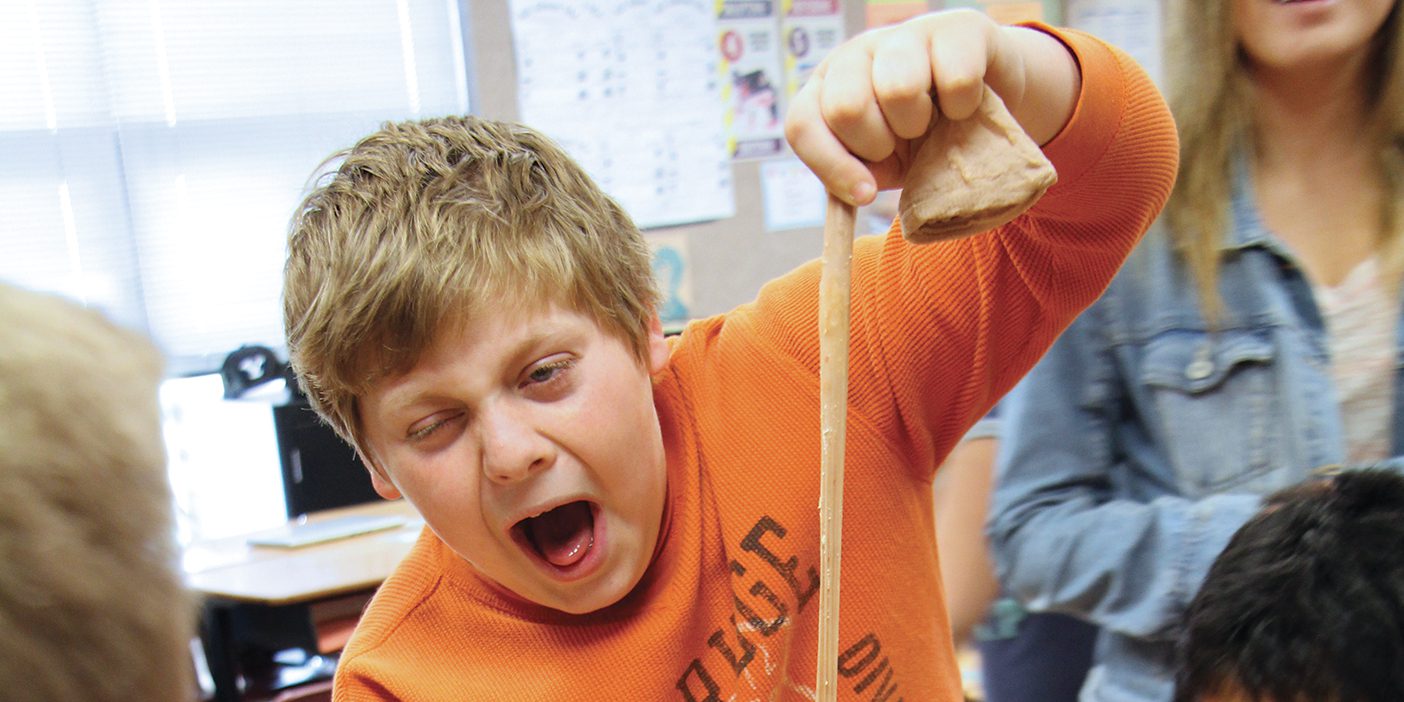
[91, 602]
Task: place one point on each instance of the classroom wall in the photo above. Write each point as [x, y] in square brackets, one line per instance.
[729, 258]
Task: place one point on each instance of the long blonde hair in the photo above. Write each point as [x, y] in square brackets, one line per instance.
[1209, 93]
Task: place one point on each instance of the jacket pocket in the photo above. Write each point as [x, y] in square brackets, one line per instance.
[1217, 415]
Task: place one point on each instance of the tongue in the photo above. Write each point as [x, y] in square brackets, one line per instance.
[565, 534]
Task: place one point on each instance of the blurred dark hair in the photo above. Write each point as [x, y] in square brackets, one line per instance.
[1306, 603]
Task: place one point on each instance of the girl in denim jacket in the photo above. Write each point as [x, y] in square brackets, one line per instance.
[1254, 336]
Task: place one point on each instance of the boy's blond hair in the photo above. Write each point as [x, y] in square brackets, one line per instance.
[91, 600]
[426, 224]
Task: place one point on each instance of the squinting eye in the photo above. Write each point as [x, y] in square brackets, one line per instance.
[426, 431]
[416, 435]
[547, 372]
[421, 433]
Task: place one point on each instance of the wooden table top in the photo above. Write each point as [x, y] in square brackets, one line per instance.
[233, 569]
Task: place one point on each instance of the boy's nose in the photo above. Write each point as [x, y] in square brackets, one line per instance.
[512, 448]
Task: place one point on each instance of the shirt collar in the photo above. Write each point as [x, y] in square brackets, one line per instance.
[1246, 227]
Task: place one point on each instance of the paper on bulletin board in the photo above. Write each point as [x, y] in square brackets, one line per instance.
[881, 13]
[1013, 11]
[751, 77]
[630, 91]
[792, 195]
[672, 271]
[811, 29]
[1135, 26]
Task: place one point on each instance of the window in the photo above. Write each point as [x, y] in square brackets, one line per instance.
[151, 155]
[152, 151]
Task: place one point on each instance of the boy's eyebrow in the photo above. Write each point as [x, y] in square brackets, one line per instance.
[404, 395]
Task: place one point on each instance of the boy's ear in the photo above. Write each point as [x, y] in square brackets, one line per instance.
[657, 345]
[382, 484]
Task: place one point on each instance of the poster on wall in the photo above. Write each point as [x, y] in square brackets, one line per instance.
[672, 271]
[1013, 11]
[1134, 26]
[881, 13]
[794, 197]
[751, 79]
[810, 30]
[630, 91]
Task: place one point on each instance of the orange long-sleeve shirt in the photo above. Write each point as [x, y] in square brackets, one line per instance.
[728, 608]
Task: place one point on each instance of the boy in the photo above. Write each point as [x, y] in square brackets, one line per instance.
[1307, 600]
[92, 601]
[616, 516]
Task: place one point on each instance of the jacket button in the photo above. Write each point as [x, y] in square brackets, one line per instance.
[1199, 369]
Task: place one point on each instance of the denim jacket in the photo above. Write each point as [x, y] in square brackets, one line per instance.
[1143, 440]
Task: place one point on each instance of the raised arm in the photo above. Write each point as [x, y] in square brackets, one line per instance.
[939, 332]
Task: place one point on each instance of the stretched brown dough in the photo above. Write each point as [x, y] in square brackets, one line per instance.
[968, 177]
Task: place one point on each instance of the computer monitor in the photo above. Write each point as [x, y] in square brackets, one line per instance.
[320, 471]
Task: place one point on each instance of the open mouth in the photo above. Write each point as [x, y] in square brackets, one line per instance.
[563, 537]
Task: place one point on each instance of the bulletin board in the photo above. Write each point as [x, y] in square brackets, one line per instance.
[723, 262]
[728, 259]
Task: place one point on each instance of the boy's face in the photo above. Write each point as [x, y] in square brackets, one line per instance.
[530, 444]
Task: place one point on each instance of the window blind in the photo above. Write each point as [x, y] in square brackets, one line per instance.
[152, 151]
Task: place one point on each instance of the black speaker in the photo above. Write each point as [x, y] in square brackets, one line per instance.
[320, 471]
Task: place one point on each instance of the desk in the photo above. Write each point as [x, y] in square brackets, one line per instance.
[232, 575]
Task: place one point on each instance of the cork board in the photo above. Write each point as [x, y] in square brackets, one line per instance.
[729, 259]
